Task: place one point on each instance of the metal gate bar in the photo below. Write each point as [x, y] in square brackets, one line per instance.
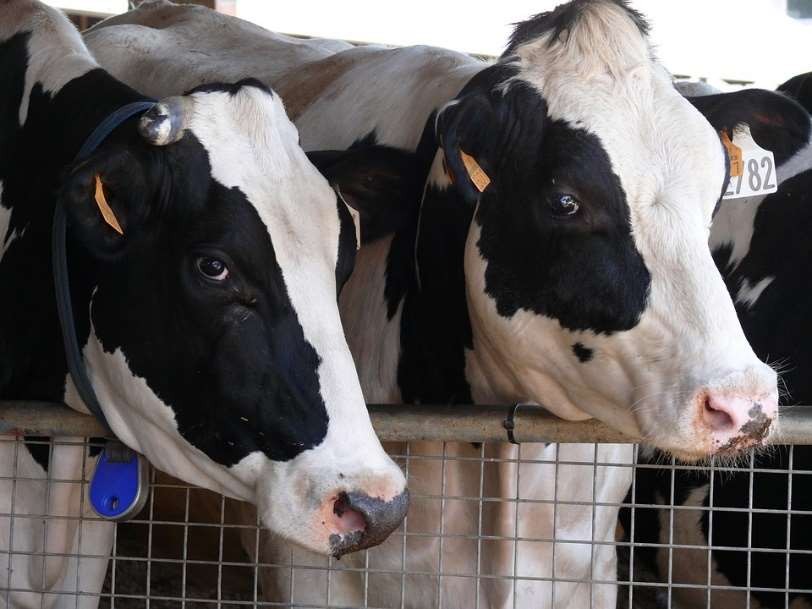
[412, 422]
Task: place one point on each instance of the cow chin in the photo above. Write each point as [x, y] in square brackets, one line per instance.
[692, 407]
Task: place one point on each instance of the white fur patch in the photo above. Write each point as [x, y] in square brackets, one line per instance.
[734, 225]
[749, 294]
[371, 335]
[57, 54]
[800, 162]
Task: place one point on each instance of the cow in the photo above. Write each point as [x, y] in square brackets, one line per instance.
[772, 301]
[205, 305]
[799, 88]
[554, 251]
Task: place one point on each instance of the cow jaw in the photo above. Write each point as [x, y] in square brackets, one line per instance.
[304, 500]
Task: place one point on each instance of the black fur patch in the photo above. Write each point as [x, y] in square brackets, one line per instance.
[231, 88]
[563, 19]
[584, 354]
[382, 183]
[800, 88]
[548, 265]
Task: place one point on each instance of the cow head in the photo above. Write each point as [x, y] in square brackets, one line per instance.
[215, 344]
[590, 285]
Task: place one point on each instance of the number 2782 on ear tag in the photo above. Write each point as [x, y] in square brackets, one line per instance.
[757, 176]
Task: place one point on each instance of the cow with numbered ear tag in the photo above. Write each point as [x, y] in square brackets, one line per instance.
[553, 250]
[759, 243]
[204, 256]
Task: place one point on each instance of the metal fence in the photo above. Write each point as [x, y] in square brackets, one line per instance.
[477, 535]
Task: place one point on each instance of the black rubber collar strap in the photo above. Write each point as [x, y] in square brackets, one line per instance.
[64, 306]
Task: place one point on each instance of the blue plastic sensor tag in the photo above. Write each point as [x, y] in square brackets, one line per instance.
[119, 487]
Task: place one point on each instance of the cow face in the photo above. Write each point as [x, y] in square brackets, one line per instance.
[215, 344]
[590, 285]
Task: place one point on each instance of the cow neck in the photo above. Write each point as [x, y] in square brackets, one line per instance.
[410, 338]
[73, 354]
[56, 126]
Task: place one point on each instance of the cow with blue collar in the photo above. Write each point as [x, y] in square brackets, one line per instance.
[751, 240]
[204, 253]
[552, 249]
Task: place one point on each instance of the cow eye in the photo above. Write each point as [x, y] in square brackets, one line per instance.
[212, 268]
[564, 205]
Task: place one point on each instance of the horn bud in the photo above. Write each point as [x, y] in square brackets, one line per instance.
[166, 121]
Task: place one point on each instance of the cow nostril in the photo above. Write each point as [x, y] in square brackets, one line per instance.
[368, 520]
[716, 418]
[348, 519]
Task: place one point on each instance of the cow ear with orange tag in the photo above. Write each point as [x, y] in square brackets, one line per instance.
[478, 176]
[734, 153]
[104, 207]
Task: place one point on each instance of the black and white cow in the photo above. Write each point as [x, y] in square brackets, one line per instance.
[566, 265]
[210, 327]
[760, 244]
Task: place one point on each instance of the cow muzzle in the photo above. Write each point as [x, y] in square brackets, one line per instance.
[733, 421]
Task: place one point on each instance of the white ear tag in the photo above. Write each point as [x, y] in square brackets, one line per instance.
[752, 167]
[356, 217]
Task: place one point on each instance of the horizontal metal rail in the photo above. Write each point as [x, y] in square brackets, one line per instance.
[402, 423]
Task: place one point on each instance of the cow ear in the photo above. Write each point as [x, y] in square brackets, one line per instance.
[105, 200]
[776, 122]
[482, 129]
[800, 88]
[381, 183]
[464, 131]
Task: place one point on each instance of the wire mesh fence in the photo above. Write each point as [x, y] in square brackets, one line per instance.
[490, 525]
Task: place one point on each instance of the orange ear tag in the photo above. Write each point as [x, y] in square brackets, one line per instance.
[105, 209]
[475, 172]
[734, 153]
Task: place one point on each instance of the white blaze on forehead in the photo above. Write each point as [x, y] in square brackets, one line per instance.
[601, 77]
